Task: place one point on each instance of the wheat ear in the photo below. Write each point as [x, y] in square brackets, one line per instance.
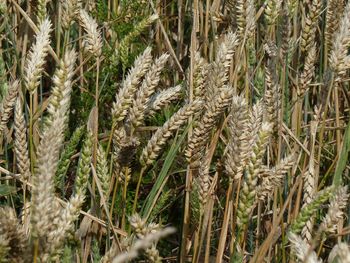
[13, 240]
[148, 87]
[92, 41]
[308, 72]
[340, 253]
[162, 135]
[70, 9]
[248, 191]
[8, 103]
[334, 9]
[310, 26]
[237, 146]
[36, 57]
[335, 213]
[163, 98]
[21, 145]
[201, 133]
[339, 58]
[102, 170]
[124, 98]
[302, 249]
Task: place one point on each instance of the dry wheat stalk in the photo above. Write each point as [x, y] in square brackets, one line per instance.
[92, 41]
[148, 87]
[162, 135]
[124, 98]
[8, 103]
[236, 155]
[36, 57]
[21, 146]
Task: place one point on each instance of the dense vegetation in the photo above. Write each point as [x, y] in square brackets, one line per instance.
[177, 131]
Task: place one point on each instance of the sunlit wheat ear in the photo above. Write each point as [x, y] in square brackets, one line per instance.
[339, 58]
[148, 87]
[70, 10]
[21, 146]
[163, 98]
[43, 184]
[202, 132]
[102, 170]
[335, 214]
[162, 135]
[218, 69]
[124, 98]
[61, 91]
[124, 46]
[308, 72]
[8, 103]
[13, 240]
[274, 177]
[302, 249]
[333, 15]
[238, 138]
[310, 26]
[36, 57]
[340, 253]
[249, 186]
[92, 40]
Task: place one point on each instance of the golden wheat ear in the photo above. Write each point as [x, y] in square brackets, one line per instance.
[126, 93]
[302, 249]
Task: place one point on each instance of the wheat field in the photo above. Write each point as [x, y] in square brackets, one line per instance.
[174, 131]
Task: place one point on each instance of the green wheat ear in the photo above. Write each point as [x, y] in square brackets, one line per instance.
[308, 210]
[123, 50]
[65, 157]
[84, 165]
